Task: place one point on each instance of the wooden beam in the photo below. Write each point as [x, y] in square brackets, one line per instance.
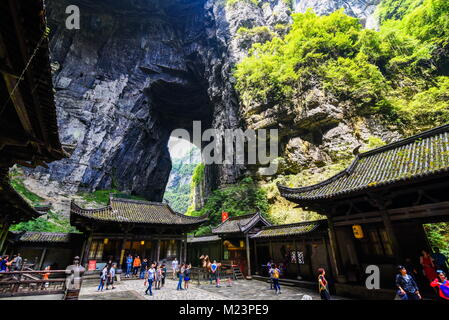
[248, 257]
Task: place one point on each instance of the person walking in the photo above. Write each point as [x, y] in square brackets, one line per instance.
[103, 278]
[440, 260]
[143, 268]
[129, 262]
[18, 263]
[111, 276]
[407, 287]
[180, 276]
[187, 276]
[150, 278]
[442, 284]
[45, 276]
[158, 278]
[2, 264]
[428, 266]
[164, 274]
[136, 265]
[174, 266]
[214, 273]
[276, 272]
[323, 286]
[5, 264]
[270, 274]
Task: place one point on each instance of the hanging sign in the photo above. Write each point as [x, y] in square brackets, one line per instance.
[92, 265]
[224, 216]
[358, 231]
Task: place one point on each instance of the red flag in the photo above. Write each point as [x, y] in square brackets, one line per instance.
[224, 216]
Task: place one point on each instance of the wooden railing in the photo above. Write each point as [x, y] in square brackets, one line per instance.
[201, 275]
[26, 283]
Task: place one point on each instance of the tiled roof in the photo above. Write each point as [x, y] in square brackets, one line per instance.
[287, 230]
[13, 207]
[44, 237]
[202, 239]
[418, 156]
[136, 211]
[239, 223]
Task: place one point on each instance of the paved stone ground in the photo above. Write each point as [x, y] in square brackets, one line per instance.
[241, 290]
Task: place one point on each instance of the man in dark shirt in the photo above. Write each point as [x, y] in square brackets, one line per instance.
[408, 289]
[440, 260]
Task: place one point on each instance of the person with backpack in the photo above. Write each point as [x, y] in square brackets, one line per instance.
[180, 276]
[187, 276]
[275, 274]
[407, 287]
[111, 276]
[143, 268]
[103, 278]
[214, 273]
[323, 286]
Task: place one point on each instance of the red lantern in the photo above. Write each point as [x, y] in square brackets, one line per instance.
[224, 216]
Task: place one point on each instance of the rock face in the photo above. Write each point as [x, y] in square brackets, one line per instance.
[136, 70]
[362, 9]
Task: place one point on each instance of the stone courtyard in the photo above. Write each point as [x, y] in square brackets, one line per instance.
[240, 290]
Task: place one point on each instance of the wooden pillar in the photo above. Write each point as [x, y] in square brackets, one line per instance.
[327, 252]
[185, 249]
[248, 258]
[122, 252]
[180, 251]
[4, 235]
[336, 257]
[41, 261]
[86, 249]
[221, 249]
[158, 250]
[391, 235]
[256, 262]
[271, 250]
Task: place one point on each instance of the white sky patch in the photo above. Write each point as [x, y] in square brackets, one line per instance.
[178, 148]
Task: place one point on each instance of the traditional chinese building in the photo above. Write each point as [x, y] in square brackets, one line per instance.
[300, 249]
[28, 126]
[148, 229]
[376, 207]
[235, 234]
[42, 249]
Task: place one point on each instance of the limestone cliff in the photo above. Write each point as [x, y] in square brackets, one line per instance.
[138, 69]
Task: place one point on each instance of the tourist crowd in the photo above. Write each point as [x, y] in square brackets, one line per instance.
[433, 266]
[434, 270]
[14, 264]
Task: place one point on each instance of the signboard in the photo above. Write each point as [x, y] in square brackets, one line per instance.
[224, 216]
[358, 231]
[92, 265]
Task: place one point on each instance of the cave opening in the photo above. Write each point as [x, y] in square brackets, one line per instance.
[134, 72]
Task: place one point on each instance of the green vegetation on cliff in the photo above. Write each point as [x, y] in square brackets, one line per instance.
[238, 199]
[53, 223]
[395, 9]
[399, 72]
[438, 234]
